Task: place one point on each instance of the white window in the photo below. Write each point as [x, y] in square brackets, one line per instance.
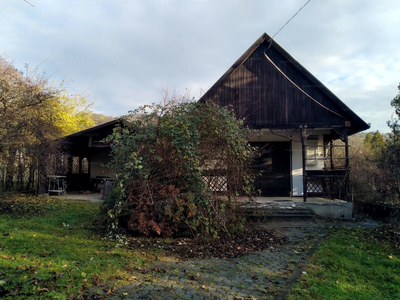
[312, 151]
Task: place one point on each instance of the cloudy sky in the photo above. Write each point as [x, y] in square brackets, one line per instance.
[124, 53]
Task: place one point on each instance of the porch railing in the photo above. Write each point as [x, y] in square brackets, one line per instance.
[333, 184]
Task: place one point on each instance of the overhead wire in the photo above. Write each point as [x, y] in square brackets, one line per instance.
[29, 3]
[280, 71]
[271, 39]
[301, 90]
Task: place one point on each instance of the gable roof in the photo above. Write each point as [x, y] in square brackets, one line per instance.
[257, 89]
[108, 126]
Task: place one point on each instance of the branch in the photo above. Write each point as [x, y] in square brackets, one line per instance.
[386, 182]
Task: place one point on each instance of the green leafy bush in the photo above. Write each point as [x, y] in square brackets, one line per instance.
[180, 166]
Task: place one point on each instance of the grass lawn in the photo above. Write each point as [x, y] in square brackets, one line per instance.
[49, 249]
[351, 264]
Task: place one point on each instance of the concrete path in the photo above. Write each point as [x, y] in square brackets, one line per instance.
[95, 197]
[260, 275]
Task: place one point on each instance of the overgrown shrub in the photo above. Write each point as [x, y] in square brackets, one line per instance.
[363, 184]
[376, 165]
[180, 166]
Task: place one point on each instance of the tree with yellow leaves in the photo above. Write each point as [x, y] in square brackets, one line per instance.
[73, 113]
[33, 115]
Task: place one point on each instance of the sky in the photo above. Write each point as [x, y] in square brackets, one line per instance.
[121, 54]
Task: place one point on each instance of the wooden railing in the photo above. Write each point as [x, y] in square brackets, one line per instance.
[333, 184]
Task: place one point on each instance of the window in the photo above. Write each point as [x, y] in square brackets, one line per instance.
[75, 165]
[312, 151]
[85, 165]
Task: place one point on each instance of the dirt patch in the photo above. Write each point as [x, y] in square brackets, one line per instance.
[257, 236]
[253, 238]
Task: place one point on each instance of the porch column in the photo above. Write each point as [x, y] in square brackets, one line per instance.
[70, 164]
[303, 156]
[331, 154]
[346, 146]
[347, 175]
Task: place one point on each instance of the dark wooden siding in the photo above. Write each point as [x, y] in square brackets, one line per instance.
[259, 92]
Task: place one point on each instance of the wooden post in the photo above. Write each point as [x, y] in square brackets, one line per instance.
[331, 154]
[346, 146]
[346, 149]
[303, 155]
[70, 164]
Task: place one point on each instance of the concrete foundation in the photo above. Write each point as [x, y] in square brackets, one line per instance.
[332, 210]
[295, 207]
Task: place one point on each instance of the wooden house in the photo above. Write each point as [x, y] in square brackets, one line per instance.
[299, 119]
[87, 158]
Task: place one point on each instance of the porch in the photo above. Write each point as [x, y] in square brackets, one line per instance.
[287, 208]
[293, 208]
[93, 197]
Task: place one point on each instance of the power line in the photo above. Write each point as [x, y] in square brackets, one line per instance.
[29, 3]
[270, 40]
[301, 90]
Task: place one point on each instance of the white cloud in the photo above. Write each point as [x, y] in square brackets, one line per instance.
[123, 52]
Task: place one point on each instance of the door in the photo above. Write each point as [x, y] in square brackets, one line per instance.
[274, 163]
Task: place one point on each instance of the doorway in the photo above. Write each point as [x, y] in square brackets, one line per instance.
[274, 163]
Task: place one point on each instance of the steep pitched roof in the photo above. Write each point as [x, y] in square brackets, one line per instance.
[106, 127]
[257, 89]
[95, 129]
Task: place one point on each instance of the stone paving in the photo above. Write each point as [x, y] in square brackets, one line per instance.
[260, 275]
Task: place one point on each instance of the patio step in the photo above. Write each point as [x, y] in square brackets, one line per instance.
[279, 209]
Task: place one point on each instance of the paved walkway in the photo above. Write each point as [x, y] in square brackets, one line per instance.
[260, 275]
[95, 197]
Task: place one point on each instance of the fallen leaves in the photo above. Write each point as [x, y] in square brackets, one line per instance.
[143, 270]
[133, 278]
[35, 280]
[252, 239]
[111, 291]
[388, 232]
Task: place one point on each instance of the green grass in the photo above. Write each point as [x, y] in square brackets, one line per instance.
[49, 249]
[351, 264]
[53, 246]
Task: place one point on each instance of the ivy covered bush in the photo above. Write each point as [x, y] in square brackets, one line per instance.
[180, 166]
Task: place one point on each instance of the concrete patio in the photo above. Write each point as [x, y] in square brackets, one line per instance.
[94, 197]
[270, 207]
[294, 207]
